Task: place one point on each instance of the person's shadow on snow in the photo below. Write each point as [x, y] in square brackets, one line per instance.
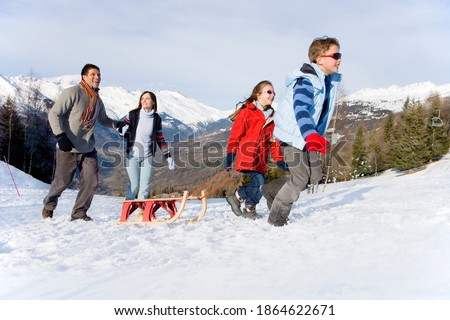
[305, 207]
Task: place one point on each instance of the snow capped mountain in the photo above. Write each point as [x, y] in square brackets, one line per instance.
[393, 97]
[118, 101]
[6, 88]
[177, 109]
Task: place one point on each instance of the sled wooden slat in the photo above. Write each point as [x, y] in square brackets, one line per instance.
[150, 206]
[202, 212]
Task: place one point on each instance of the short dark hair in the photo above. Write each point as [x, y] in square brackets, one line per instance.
[87, 67]
[320, 45]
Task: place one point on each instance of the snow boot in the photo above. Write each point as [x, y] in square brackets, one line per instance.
[278, 222]
[84, 218]
[235, 202]
[249, 212]
[47, 214]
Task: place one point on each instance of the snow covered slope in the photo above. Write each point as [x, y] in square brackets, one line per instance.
[384, 237]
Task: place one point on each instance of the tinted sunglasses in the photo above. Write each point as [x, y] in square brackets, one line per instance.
[335, 56]
[270, 92]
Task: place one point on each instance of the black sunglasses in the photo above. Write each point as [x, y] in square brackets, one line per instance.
[270, 92]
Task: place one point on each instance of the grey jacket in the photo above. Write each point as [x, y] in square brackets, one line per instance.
[65, 116]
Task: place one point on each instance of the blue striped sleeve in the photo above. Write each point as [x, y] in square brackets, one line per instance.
[303, 104]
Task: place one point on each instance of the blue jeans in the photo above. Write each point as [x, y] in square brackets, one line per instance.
[252, 192]
[140, 170]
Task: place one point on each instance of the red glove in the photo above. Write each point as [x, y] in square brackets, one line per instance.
[315, 142]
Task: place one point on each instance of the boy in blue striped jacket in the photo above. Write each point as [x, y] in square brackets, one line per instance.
[301, 120]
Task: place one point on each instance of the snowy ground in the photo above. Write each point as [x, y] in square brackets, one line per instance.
[386, 237]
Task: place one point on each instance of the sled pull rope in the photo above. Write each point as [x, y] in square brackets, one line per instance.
[225, 181]
[212, 179]
[12, 178]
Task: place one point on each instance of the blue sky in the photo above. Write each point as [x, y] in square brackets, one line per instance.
[216, 51]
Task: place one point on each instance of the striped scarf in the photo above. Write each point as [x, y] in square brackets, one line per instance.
[90, 114]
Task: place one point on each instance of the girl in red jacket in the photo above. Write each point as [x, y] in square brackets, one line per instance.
[251, 140]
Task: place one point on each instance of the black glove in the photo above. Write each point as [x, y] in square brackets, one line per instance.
[228, 162]
[120, 125]
[282, 165]
[64, 142]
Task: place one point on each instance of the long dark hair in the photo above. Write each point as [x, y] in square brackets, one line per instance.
[153, 96]
[254, 96]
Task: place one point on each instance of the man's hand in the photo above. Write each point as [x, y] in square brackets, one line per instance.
[64, 143]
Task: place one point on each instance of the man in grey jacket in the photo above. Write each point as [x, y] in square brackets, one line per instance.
[72, 119]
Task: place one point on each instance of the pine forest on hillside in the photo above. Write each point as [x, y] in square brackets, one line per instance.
[406, 140]
[361, 146]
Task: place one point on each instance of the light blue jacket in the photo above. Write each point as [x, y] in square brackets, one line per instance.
[287, 129]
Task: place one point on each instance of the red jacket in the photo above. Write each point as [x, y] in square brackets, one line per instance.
[251, 137]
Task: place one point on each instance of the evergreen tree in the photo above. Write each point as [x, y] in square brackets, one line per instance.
[360, 165]
[12, 134]
[412, 147]
[389, 128]
[41, 149]
[389, 142]
[375, 152]
[440, 141]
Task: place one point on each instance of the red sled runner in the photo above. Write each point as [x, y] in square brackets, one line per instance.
[150, 206]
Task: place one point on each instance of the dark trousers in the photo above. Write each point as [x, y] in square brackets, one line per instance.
[252, 192]
[66, 165]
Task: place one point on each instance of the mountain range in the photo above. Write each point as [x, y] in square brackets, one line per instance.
[187, 115]
[199, 133]
[179, 113]
[393, 97]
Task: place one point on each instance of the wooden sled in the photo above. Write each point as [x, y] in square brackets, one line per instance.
[150, 206]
